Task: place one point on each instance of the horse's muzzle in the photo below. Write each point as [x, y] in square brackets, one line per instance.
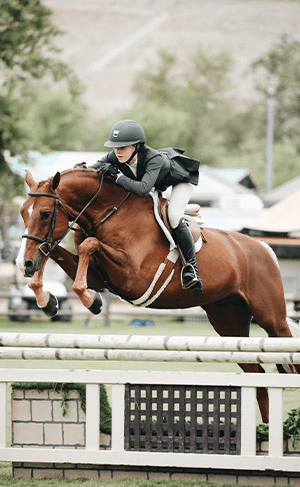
[31, 266]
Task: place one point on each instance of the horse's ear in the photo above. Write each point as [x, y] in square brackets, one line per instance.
[55, 181]
[29, 179]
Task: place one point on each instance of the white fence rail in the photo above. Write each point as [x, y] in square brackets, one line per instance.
[14, 353]
[248, 459]
[150, 342]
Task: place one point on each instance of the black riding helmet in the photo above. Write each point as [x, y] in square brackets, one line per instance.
[124, 133]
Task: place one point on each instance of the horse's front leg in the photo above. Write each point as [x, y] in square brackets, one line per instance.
[45, 300]
[90, 299]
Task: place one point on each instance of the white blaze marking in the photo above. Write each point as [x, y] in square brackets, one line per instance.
[20, 258]
[30, 210]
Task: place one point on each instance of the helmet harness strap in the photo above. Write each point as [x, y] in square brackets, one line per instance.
[136, 150]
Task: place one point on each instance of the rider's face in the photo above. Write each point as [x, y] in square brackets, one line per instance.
[124, 153]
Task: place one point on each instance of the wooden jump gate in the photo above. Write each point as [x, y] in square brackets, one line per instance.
[186, 419]
[172, 422]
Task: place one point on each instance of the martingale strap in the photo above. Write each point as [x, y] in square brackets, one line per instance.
[160, 281]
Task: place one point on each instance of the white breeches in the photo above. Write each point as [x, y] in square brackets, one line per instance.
[179, 199]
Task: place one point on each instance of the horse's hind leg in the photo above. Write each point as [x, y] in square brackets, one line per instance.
[233, 318]
[269, 310]
[264, 292]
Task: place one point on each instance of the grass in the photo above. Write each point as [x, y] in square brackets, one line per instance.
[6, 480]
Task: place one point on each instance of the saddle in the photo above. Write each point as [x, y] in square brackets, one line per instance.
[191, 214]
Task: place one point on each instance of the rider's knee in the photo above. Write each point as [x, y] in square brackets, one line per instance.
[174, 218]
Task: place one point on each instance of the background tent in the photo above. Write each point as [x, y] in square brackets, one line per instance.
[282, 191]
[281, 218]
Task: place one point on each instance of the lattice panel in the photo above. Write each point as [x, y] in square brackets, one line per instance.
[190, 419]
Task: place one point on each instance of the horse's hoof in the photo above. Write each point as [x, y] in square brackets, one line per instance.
[51, 307]
[96, 306]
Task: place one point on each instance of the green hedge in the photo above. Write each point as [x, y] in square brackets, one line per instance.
[291, 428]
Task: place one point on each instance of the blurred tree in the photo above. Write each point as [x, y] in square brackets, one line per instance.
[286, 161]
[156, 83]
[26, 47]
[192, 105]
[194, 96]
[27, 52]
[55, 119]
[213, 125]
[282, 63]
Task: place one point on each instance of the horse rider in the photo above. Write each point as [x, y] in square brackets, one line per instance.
[138, 168]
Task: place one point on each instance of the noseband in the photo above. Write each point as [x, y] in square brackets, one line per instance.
[48, 240]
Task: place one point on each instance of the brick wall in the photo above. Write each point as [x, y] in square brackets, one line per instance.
[37, 421]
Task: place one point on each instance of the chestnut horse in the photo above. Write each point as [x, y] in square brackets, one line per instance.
[121, 247]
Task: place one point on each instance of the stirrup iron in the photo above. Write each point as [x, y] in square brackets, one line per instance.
[186, 281]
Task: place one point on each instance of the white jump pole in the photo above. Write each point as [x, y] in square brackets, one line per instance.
[18, 353]
[138, 342]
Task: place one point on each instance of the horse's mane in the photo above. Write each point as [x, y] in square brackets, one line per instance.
[96, 176]
[94, 173]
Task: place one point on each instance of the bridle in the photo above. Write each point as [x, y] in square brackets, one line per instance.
[47, 241]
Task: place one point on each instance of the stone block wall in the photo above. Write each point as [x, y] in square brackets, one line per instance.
[37, 420]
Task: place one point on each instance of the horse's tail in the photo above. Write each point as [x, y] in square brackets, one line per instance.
[294, 327]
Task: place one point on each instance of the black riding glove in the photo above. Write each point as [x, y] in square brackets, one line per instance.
[108, 170]
[80, 164]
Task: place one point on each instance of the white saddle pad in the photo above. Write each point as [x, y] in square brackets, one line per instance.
[190, 214]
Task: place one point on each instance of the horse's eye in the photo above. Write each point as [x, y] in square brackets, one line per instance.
[45, 215]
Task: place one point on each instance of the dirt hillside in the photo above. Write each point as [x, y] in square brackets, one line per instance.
[108, 41]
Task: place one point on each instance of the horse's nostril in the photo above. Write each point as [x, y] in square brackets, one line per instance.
[28, 264]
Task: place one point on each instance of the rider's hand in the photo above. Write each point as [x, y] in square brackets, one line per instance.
[80, 164]
[108, 170]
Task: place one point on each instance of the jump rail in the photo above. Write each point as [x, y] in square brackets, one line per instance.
[150, 342]
[15, 353]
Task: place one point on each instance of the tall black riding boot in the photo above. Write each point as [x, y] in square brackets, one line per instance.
[189, 275]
